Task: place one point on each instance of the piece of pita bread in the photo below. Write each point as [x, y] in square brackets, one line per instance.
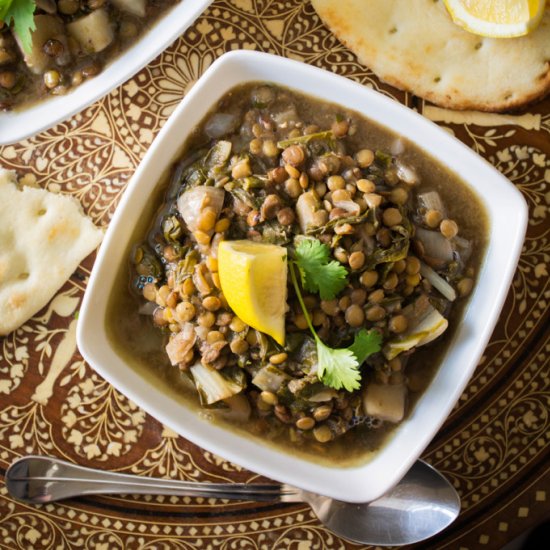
[43, 238]
[415, 46]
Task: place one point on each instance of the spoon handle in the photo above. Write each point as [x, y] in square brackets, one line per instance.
[40, 479]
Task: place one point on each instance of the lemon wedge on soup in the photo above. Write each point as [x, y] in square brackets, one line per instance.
[253, 277]
[497, 18]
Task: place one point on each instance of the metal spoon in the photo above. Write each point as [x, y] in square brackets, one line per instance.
[419, 506]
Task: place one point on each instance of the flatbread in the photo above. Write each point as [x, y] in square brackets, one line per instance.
[415, 46]
[43, 238]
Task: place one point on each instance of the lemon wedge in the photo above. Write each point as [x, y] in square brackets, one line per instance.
[497, 18]
[253, 280]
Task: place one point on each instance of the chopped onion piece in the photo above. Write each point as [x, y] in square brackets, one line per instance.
[211, 385]
[432, 201]
[429, 328]
[306, 206]
[269, 378]
[397, 147]
[463, 248]
[220, 124]
[238, 409]
[438, 282]
[349, 206]
[436, 246]
[191, 203]
[406, 174]
[181, 343]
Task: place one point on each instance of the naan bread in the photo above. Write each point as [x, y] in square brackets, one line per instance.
[43, 238]
[415, 46]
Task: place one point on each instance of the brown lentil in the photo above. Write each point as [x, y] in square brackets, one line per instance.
[322, 434]
[355, 316]
[222, 225]
[364, 158]
[358, 296]
[318, 318]
[344, 302]
[395, 364]
[336, 182]
[340, 128]
[292, 188]
[293, 155]
[253, 218]
[269, 148]
[368, 278]
[464, 286]
[305, 423]
[158, 317]
[366, 186]
[322, 413]
[400, 266]
[214, 336]
[413, 280]
[391, 217]
[239, 346]
[185, 311]
[391, 281]
[330, 307]
[433, 218]
[278, 358]
[206, 319]
[375, 313]
[300, 321]
[413, 265]
[269, 397]
[237, 325]
[207, 219]
[399, 196]
[292, 171]
[255, 146]
[52, 79]
[448, 228]
[398, 323]
[201, 237]
[211, 303]
[149, 292]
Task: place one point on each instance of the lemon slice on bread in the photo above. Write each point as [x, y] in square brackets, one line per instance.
[497, 18]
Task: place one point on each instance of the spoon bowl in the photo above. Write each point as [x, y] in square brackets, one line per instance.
[421, 505]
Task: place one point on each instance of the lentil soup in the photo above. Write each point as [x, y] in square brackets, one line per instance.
[405, 235]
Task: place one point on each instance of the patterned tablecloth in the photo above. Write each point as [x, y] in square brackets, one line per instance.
[494, 446]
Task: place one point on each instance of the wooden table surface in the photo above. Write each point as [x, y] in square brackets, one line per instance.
[494, 447]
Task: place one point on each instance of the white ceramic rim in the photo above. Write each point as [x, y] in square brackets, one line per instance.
[507, 213]
[18, 125]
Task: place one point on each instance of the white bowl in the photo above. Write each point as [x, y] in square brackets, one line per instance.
[507, 214]
[17, 125]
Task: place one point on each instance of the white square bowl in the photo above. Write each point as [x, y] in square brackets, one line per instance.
[507, 213]
[20, 124]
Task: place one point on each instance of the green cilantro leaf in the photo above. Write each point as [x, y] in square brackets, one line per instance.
[337, 368]
[21, 12]
[318, 273]
[366, 343]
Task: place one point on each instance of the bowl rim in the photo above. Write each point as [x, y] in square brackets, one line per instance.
[366, 481]
[42, 115]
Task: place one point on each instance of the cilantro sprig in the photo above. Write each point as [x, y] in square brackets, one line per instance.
[318, 273]
[21, 12]
[336, 367]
